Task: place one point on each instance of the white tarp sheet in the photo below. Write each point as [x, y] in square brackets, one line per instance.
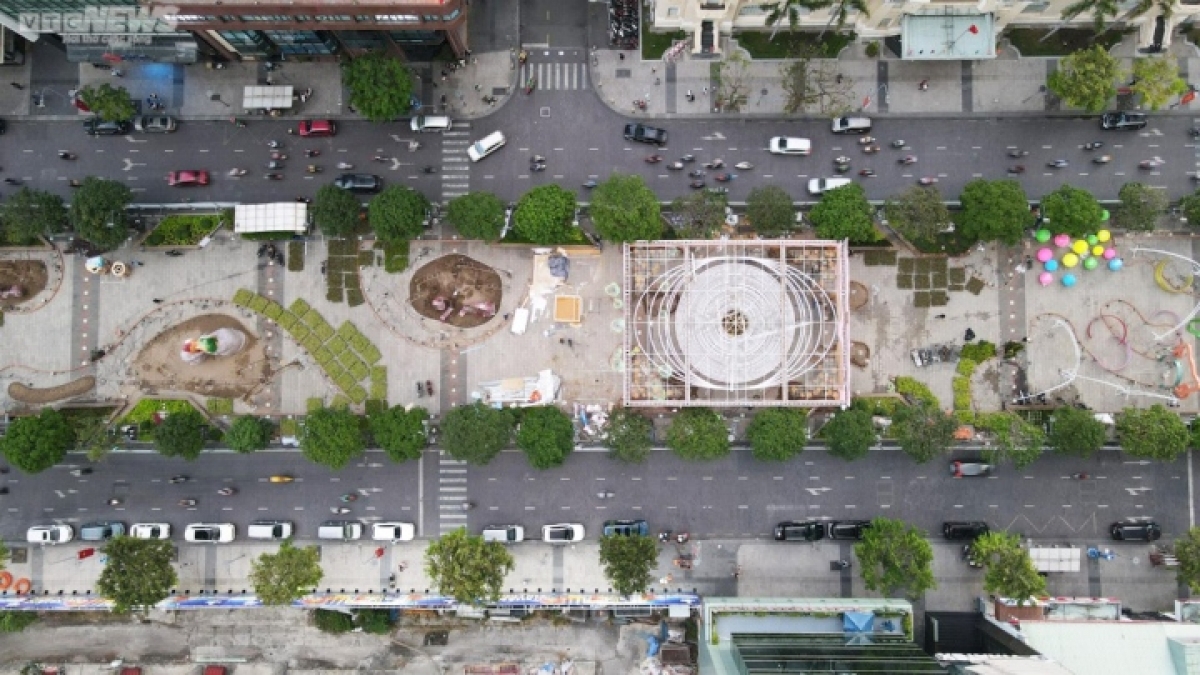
[271, 98]
[277, 217]
[1055, 559]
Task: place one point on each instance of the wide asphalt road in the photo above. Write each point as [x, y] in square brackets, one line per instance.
[583, 140]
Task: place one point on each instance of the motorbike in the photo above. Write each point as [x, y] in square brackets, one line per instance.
[175, 480]
[1058, 164]
[867, 173]
[1018, 169]
[927, 180]
[12, 181]
[698, 173]
[1102, 159]
[66, 155]
[907, 160]
[870, 149]
[339, 509]
[312, 153]
[278, 155]
[1018, 153]
[1080, 476]
[380, 158]
[743, 166]
[675, 166]
[1094, 145]
[696, 184]
[724, 177]
[187, 502]
[898, 144]
[842, 160]
[429, 387]
[719, 190]
[590, 184]
[114, 502]
[348, 497]
[237, 173]
[312, 168]
[174, 253]
[274, 176]
[345, 165]
[687, 159]
[639, 104]
[537, 159]
[1150, 163]
[715, 164]
[536, 167]
[1194, 132]
[274, 165]
[866, 140]
[523, 57]
[654, 159]
[281, 478]
[605, 494]
[420, 390]
[429, 170]
[531, 84]
[81, 472]
[274, 145]
[227, 492]
[841, 168]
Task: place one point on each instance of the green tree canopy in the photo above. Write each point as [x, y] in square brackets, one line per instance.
[138, 574]
[286, 575]
[546, 435]
[1072, 210]
[98, 212]
[919, 213]
[1141, 206]
[628, 436]
[923, 430]
[381, 86]
[401, 432]
[1156, 80]
[1187, 552]
[398, 214]
[698, 433]
[335, 211]
[109, 103]
[698, 215]
[476, 433]
[332, 436]
[249, 433]
[895, 557]
[994, 210]
[770, 210]
[627, 562]
[34, 444]
[624, 209]
[16, 621]
[1075, 432]
[30, 214]
[477, 215]
[1014, 439]
[844, 213]
[467, 568]
[1086, 79]
[1009, 569]
[1153, 432]
[777, 434]
[181, 434]
[850, 434]
[544, 215]
[1190, 205]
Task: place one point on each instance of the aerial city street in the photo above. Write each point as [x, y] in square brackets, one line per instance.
[566, 289]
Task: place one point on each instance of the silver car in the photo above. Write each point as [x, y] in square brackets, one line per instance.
[960, 469]
[154, 124]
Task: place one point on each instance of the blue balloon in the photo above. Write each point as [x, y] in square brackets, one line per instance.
[1068, 280]
[1115, 264]
[1051, 265]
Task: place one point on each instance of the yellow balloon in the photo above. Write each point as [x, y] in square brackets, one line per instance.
[1097, 250]
[1070, 260]
[1080, 246]
[1104, 235]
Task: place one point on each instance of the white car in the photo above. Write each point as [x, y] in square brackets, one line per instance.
[818, 186]
[209, 533]
[788, 145]
[486, 146]
[150, 531]
[851, 125]
[562, 533]
[392, 531]
[50, 534]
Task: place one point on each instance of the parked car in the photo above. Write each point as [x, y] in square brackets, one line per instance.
[1123, 121]
[210, 533]
[789, 145]
[187, 177]
[150, 531]
[958, 530]
[392, 531]
[642, 133]
[315, 128]
[817, 186]
[795, 530]
[504, 534]
[95, 126]
[154, 124]
[969, 469]
[1135, 530]
[847, 529]
[851, 125]
[562, 533]
[101, 530]
[360, 183]
[49, 534]
[626, 528]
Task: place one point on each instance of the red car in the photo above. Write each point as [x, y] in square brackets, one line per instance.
[314, 128]
[185, 178]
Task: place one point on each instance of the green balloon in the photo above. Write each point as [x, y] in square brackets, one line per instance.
[1043, 236]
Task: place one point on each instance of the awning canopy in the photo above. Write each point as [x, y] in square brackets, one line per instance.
[1055, 559]
[948, 34]
[270, 98]
[278, 217]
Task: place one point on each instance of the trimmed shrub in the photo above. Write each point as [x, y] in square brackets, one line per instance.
[371, 354]
[324, 330]
[258, 303]
[286, 320]
[358, 394]
[359, 370]
[242, 297]
[300, 307]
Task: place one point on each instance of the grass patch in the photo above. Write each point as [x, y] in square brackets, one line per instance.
[311, 343]
[359, 370]
[395, 257]
[337, 345]
[300, 307]
[295, 256]
[300, 332]
[655, 44]
[258, 303]
[375, 406]
[335, 294]
[243, 297]
[1029, 41]
[143, 414]
[342, 247]
[574, 237]
[323, 330]
[273, 311]
[366, 258]
[354, 297]
[370, 354]
[313, 404]
[182, 230]
[357, 394]
[340, 402]
[287, 320]
[787, 43]
[288, 427]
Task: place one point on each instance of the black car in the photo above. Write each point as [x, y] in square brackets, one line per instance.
[626, 528]
[359, 182]
[848, 529]
[971, 529]
[1123, 121]
[95, 126]
[644, 134]
[1136, 530]
[795, 530]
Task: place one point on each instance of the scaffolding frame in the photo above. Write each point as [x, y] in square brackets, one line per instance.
[736, 323]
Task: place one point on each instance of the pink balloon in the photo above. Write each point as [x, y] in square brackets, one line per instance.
[1045, 278]
[1044, 254]
[1110, 253]
[1062, 240]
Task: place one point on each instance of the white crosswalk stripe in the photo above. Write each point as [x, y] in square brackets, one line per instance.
[452, 493]
[456, 166]
[557, 76]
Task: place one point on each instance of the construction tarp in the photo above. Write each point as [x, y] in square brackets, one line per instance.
[1055, 559]
[858, 622]
[277, 217]
[270, 98]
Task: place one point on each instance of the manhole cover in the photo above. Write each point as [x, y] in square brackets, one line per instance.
[437, 638]
[544, 111]
[624, 72]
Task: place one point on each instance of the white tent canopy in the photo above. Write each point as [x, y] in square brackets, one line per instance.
[271, 98]
[277, 217]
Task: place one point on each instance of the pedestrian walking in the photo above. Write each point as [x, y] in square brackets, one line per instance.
[17, 85]
[621, 56]
[690, 96]
[657, 80]
[939, 316]
[924, 85]
[158, 301]
[706, 90]
[116, 72]
[839, 78]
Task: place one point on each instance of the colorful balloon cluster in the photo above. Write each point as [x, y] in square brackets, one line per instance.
[1089, 253]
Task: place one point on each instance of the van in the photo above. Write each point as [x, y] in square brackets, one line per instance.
[851, 125]
[341, 530]
[424, 123]
[505, 534]
[269, 529]
[482, 148]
